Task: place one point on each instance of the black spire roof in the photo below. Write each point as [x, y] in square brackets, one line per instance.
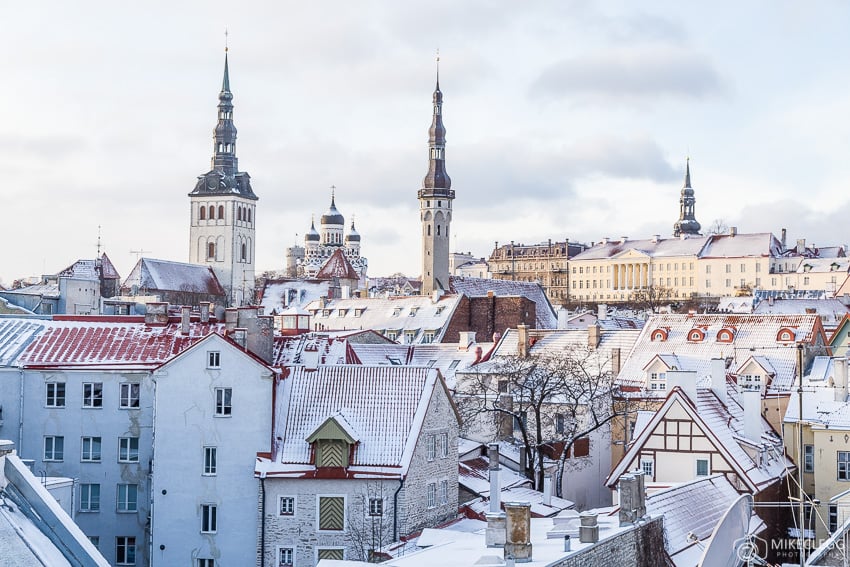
[437, 182]
[333, 216]
[224, 177]
[687, 223]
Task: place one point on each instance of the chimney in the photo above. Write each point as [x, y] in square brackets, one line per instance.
[495, 487]
[604, 241]
[563, 314]
[231, 316]
[840, 378]
[801, 245]
[506, 420]
[547, 490]
[156, 313]
[751, 402]
[655, 238]
[522, 340]
[345, 292]
[185, 315]
[240, 336]
[523, 461]
[205, 311]
[845, 299]
[615, 361]
[466, 339]
[623, 239]
[594, 335]
[601, 312]
[632, 498]
[733, 231]
[782, 239]
[718, 379]
[588, 531]
[518, 528]
[686, 380]
[436, 295]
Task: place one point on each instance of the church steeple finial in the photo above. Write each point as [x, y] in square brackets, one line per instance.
[224, 150]
[688, 172]
[437, 178]
[438, 69]
[687, 223]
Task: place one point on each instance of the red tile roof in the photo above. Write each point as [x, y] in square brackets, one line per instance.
[337, 266]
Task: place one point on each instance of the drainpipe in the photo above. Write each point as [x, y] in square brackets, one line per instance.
[21, 414]
[395, 508]
[263, 520]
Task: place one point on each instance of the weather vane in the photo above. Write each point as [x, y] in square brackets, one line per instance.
[225, 40]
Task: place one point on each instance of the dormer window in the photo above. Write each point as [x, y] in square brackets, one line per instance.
[332, 442]
[726, 335]
[785, 335]
[359, 312]
[413, 311]
[439, 310]
[658, 381]
[396, 311]
[658, 335]
[326, 312]
[341, 312]
[696, 335]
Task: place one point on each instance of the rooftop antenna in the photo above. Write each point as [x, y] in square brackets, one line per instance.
[139, 253]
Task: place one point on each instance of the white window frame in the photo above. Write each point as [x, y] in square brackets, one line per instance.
[808, 458]
[52, 397]
[280, 506]
[91, 399]
[376, 507]
[89, 498]
[213, 359]
[91, 456]
[124, 504]
[444, 492]
[54, 454]
[129, 395]
[649, 470]
[210, 461]
[444, 445]
[129, 545]
[430, 447]
[223, 402]
[658, 381]
[206, 562]
[431, 495]
[125, 449]
[209, 518]
[344, 513]
[280, 562]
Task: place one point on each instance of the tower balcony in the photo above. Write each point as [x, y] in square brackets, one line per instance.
[434, 193]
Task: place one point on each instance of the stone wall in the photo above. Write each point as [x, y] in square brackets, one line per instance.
[640, 546]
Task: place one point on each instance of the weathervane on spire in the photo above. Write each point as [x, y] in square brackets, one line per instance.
[225, 40]
[333, 191]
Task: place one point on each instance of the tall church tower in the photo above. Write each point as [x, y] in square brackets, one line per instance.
[223, 210]
[435, 204]
[687, 223]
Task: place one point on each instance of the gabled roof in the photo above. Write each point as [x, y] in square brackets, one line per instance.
[337, 266]
[754, 335]
[283, 294]
[226, 342]
[385, 405]
[758, 244]
[479, 287]
[662, 247]
[761, 361]
[91, 269]
[311, 349]
[723, 425]
[553, 341]
[164, 275]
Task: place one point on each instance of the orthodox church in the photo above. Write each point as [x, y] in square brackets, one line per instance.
[319, 246]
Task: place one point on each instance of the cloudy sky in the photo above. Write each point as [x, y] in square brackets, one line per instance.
[565, 119]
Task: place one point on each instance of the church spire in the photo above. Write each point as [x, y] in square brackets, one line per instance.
[224, 150]
[687, 223]
[437, 178]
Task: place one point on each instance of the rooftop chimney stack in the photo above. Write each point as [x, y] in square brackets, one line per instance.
[718, 378]
[751, 402]
[563, 316]
[495, 533]
[185, 315]
[594, 335]
[204, 307]
[588, 531]
[518, 528]
[522, 341]
[156, 313]
[840, 379]
[601, 311]
[686, 380]
[231, 316]
[465, 340]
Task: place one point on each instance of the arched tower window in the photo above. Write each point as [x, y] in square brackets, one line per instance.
[221, 211]
[239, 213]
[429, 230]
[438, 230]
[203, 213]
[244, 252]
[212, 212]
[211, 250]
[249, 215]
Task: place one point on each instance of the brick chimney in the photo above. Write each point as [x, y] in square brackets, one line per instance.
[518, 528]
[522, 341]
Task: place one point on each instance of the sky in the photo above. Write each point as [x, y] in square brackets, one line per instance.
[564, 118]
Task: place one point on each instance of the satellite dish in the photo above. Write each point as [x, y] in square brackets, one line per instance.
[730, 545]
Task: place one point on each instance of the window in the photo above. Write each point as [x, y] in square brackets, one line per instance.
[128, 449]
[212, 212]
[214, 359]
[89, 498]
[285, 557]
[376, 506]
[335, 553]
[431, 446]
[728, 282]
[223, 402]
[728, 268]
[843, 465]
[331, 513]
[833, 517]
[708, 269]
[54, 448]
[702, 467]
[559, 423]
[409, 336]
[55, 395]
[221, 211]
[128, 497]
[208, 518]
[210, 250]
[658, 381]
[646, 465]
[90, 452]
[287, 505]
[503, 386]
[444, 492]
[129, 398]
[210, 454]
[432, 495]
[93, 395]
[125, 550]
[206, 562]
[203, 212]
[808, 458]
[444, 445]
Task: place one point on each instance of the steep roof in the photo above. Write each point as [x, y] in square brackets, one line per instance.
[337, 266]
[752, 335]
[164, 275]
[16, 335]
[385, 405]
[91, 269]
[479, 287]
[553, 341]
[311, 349]
[282, 294]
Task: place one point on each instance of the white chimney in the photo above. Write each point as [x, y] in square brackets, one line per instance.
[563, 315]
[185, 318]
[496, 533]
[602, 312]
[718, 378]
[465, 339]
[733, 231]
[522, 340]
[751, 402]
[684, 379]
[345, 291]
[604, 241]
[840, 378]
[547, 491]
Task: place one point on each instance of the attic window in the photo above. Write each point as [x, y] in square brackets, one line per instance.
[658, 335]
[413, 311]
[432, 362]
[394, 361]
[341, 312]
[358, 312]
[785, 335]
[396, 311]
[749, 382]
[326, 312]
[454, 364]
[696, 335]
[392, 334]
[726, 335]
[439, 310]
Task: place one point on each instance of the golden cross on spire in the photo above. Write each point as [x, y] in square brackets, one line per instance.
[225, 40]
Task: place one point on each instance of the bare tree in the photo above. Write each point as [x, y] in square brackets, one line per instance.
[717, 226]
[651, 298]
[370, 523]
[552, 400]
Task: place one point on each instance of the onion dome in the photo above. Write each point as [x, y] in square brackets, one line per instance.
[312, 235]
[332, 216]
[353, 235]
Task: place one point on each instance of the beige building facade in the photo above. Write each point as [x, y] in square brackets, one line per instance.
[546, 263]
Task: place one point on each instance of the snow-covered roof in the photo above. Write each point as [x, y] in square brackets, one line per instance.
[758, 244]
[164, 275]
[830, 310]
[824, 265]
[385, 405]
[554, 341]
[91, 269]
[480, 287]
[15, 335]
[311, 349]
[661, 247]
[337, 266]
[751, 335]
[49, 289]
[723, 425]
[413, 313]
[280, 295]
